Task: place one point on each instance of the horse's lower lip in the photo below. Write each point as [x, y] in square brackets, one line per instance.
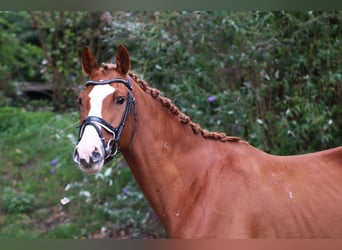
[89, 170]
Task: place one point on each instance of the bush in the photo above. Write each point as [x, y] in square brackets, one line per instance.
[15, 202]
[275, 76]
[19, 59]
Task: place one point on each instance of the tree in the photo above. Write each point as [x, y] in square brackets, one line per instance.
[19, 58]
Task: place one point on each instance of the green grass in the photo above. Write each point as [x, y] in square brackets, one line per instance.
[36, 167]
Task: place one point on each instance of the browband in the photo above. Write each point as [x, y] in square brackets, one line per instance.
[109, 81]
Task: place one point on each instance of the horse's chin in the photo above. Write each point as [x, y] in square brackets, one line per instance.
[94, 169]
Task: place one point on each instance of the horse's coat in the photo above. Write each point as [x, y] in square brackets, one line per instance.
[208, 185]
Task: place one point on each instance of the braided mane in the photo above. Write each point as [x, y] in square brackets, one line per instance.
[184, 119]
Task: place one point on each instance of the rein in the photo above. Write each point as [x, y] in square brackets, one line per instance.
[112, 146]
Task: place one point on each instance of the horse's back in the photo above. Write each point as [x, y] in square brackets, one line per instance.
[307, 189]
[332, 156]
[289, 196]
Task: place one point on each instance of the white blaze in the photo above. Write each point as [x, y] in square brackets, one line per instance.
[90, 139]
[97, 95]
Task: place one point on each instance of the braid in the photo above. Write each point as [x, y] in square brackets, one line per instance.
[184, 119]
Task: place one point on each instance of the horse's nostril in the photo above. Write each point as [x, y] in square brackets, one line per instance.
[76, 157]
[96, 156]
[85, 163]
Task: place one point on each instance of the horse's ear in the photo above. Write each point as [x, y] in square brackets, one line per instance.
[122, 60]
[88, 61]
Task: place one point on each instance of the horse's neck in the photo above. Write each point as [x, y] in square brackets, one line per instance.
[158, 157]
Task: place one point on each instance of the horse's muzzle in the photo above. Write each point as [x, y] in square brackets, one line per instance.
[91, 164]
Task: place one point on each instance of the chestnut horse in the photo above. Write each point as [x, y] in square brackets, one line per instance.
[202, 184]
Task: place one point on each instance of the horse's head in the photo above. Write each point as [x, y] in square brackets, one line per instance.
[105, 105]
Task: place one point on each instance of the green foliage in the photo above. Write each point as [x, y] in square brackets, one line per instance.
[19, 58]
[17, 226]
[37, 171]
[15, 202]
[68, 231]
[276, 76]
[61, 36]
[112, 196]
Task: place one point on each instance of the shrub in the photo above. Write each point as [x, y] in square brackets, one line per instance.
[276, 75]
[18, 202]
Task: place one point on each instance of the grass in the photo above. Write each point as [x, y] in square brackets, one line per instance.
[37, 171]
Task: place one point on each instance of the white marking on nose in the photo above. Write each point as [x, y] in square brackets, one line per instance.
[90, 140]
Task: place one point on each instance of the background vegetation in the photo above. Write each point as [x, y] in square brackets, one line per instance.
[272, 78]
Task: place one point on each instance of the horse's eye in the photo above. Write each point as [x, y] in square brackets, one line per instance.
[120, 100]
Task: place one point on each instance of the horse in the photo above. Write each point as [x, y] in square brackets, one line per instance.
[202, 184]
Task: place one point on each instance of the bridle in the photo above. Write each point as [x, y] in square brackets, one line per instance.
[112, 146]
